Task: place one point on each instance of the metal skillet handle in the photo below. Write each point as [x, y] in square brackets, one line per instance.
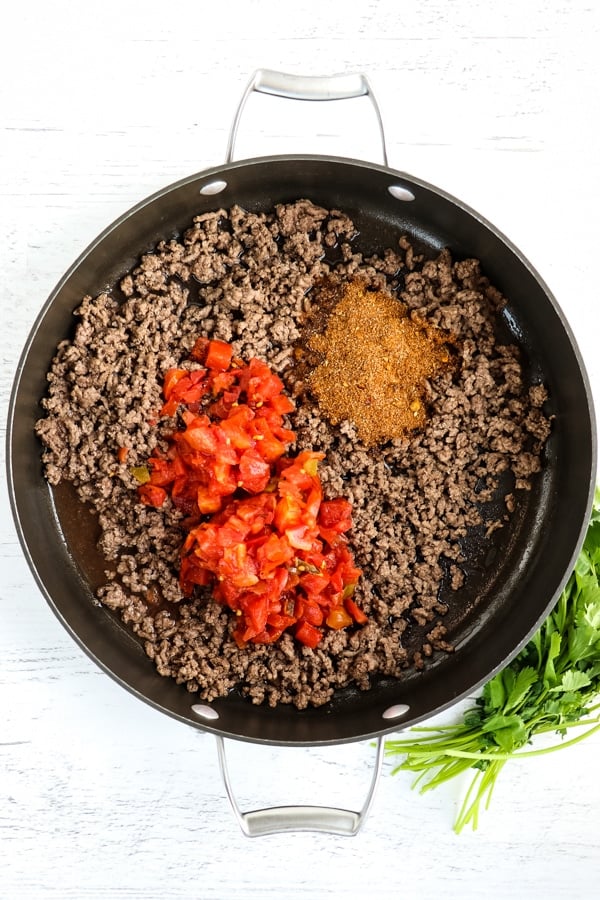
[281, 819]
[307, 87]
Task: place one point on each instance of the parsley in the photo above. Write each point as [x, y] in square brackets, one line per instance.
[553, 685]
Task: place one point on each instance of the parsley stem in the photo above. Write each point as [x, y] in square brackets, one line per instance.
[465, 754]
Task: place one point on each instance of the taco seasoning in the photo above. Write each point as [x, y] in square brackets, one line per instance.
[374, 361]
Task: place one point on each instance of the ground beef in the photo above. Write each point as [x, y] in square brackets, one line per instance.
[247, 278]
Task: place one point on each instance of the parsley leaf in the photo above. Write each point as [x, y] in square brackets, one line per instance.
[551, 686]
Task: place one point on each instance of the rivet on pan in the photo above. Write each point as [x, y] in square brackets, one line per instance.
[205, 711]
[400, 193]
[394, 712]
[213, 187]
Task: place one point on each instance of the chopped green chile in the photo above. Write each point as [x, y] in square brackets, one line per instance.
[141, 474]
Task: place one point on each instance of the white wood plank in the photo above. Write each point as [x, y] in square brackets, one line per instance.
[101, 796]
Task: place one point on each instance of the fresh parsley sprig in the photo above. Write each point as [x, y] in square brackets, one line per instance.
[553, 685]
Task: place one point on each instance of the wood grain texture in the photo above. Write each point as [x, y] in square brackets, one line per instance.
[101, 796]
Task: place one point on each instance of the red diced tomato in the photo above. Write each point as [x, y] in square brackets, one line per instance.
[191, 574]
[284, 434]
[187, 416]
[152, 495]
[299, 537]
[162, 472]
[269, 447]
[281, 404]
[218, 355]
[199, 349]
[273, 552]
[258, 531]
[208, 502]
[355, 611]
[225, 452]
[187, 387]
[254, 471]
[256, 612]
[172, 376]
[308, 635]
[201, 437]
[169, 408]
[221, 382]
[277, 623]
[312, 613]
[288, 513]
[237, 567]
[235, 430]
[232, 396]
[333, 538]
[314, 584]
[259, 382]
[336, 514]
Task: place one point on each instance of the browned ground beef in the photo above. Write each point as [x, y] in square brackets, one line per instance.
[246, 278]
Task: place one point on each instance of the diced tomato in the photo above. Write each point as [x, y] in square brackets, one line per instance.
[237, 566]
[309, 460]
[222, 382]
[281, 404]
[172, 376]
[184, 499]
[162, 472]
[201, 437]
[188, 416]
[256, 612]
[183, 386]
[169, 408]
[231, 397]
[269, 446]
[191, 574]
[314, 584]
[254, 471]
[199, 349]
[152, 495]
[207, 501]
[336, 514]
[308, 635]
[259, 382]
[225, 452]
[310, 612]
[313, 501]
[299, 537]
[277, 623]
[250, 510]
[273, 552]
[338, 618]
[222, 478]
[235, 430]
[329, 536]
[258, 531]
[355, 611]
[288, 513]
[218, 355]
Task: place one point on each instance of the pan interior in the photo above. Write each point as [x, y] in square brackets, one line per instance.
[513, 579]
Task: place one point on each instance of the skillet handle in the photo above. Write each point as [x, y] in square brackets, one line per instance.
[307, 87]
[282, 819]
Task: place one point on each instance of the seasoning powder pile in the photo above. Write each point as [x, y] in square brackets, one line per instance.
[374, 362]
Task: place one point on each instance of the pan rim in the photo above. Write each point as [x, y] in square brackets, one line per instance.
[211, 173]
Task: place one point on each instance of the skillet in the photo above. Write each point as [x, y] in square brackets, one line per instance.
[510, 592]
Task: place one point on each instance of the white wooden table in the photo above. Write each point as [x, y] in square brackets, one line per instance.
[101, 796]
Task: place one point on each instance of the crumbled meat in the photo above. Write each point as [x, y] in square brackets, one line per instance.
[246, 278]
